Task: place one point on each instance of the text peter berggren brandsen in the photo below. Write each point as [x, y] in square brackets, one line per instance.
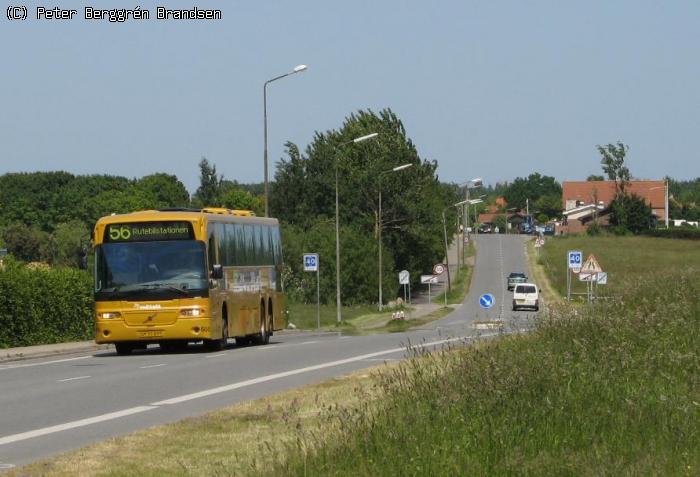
[120, 15]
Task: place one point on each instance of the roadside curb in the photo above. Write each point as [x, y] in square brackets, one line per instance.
[45, 351]
[8, 355]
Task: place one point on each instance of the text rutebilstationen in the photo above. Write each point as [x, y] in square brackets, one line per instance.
[120, 15]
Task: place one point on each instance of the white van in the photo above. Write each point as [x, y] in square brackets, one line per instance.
[526, 295]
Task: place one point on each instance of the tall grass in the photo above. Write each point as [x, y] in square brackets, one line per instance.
[611, 389]
[626, 259]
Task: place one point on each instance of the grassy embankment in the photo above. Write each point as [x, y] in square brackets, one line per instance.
[608, 389]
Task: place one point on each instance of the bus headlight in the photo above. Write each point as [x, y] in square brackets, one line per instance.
[192, 312]
[109, 315]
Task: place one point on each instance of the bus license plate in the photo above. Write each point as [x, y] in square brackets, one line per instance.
[151, 334]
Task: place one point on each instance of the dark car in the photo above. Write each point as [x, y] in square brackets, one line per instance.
[514, 278]
[549, 229]
[485, 229]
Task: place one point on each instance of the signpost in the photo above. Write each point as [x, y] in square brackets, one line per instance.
[589, 271]
[439, 269]
[602, 278]
[573, 265]
[311, 264]
[404, 279]
[428, 279]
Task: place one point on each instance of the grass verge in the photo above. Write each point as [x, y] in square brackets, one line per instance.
[613, 389]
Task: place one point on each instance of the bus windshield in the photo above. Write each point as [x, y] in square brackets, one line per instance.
[150, 270]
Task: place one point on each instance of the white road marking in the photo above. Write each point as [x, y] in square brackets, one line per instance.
[73, 424]
[209, 392]
[217, 355]
[72, 379]
[4, 466]
[152, 366]
[307, 342]
[29, 365]
[272, 377]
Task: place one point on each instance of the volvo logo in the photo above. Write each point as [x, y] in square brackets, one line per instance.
[150, 317]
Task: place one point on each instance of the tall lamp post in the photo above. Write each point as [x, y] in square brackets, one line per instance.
[297, 69]
[665, 187]
[379, 224]
[444, 230]
[339, 317]
[476, 182]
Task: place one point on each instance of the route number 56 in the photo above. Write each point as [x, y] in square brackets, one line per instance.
[119, 233]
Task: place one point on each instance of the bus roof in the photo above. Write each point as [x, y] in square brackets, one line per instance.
[209, 214]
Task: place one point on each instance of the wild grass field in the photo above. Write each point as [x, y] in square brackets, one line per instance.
[609, 389]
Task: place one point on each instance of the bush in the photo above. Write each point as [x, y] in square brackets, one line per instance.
[44, 305]
[675, 233]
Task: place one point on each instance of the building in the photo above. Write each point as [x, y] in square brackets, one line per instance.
[586, 202]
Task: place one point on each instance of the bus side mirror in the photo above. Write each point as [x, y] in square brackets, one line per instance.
[217, 272]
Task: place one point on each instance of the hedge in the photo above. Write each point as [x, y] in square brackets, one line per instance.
[676, 233]
[40, 305]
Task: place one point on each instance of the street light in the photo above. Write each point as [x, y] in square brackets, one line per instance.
[379, 224]
[297, 69]
[665, 186]
[444, 229]
[476, 182]
[339, 316]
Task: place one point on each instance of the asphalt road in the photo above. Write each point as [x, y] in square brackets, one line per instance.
[54, 405]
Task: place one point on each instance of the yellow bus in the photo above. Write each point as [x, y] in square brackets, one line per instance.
[178, 276]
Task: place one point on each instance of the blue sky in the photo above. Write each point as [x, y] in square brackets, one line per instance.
[497, 89]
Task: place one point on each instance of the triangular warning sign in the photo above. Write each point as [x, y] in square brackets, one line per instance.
[591, 265]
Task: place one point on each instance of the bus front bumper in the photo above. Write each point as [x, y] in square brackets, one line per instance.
[190, 329]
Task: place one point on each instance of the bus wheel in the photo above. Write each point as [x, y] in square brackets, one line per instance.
[124, 349]
[264, 336]
[218, 345]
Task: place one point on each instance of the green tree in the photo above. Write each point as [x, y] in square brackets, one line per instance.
[613, 162]
[630, 213]
[412, 199]
[208, 193]
[531, 188]
[549, 205]
[165, 189]
[72, 239]
[237, 198]
[594, 177]
[28, 244]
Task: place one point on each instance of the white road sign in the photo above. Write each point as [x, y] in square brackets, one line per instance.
[404, 276]
[438, 269]
[428, 279]
[575, 260]
[602, 278]
[310, 262]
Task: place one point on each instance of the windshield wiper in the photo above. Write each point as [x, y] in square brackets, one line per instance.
[166, 286]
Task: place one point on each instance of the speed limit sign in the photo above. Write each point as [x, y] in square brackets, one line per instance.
[438, 269]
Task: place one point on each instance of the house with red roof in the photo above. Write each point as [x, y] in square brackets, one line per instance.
[586, 202]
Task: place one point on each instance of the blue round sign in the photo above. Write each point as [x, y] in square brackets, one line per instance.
[486, 300]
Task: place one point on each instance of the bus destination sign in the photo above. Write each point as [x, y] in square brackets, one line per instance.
[149, 232]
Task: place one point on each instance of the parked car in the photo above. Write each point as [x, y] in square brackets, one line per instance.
[549, 230]
[526, 295]
[514, 278]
